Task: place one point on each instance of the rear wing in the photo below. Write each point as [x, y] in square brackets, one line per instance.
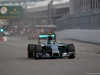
[44, 37]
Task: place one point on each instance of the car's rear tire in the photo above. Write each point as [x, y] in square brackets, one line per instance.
[37, 50]
[71, 51]
[30, 49]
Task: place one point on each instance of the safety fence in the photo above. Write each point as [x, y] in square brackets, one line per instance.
[87, 21]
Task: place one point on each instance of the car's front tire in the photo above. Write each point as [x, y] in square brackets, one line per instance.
[30, 49]
[37, 51]
[71, 51]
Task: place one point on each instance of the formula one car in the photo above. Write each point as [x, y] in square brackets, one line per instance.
[50, 48]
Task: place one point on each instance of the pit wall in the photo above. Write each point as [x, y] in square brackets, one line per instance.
[92, 36]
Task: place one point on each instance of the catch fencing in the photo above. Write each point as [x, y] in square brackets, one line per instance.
[83, 26]
[86, 21]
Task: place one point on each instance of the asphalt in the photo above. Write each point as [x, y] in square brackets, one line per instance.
[14, 61]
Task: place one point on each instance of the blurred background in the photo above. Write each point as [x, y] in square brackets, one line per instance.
[72, 19]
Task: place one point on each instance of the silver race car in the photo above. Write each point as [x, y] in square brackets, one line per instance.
[48, 48]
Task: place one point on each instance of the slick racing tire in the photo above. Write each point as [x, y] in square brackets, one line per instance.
[30, 49]
[36, 51]
[71, 51]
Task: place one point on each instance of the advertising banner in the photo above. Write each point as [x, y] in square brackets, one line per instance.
[11, 12]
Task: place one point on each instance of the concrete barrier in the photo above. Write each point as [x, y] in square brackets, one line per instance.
[82, 35]
[5, 38]
[1, 39]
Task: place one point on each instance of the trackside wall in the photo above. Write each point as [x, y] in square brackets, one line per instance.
[92, 36]
[82, 26]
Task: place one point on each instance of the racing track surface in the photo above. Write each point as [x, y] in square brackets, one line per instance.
[14, 61]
